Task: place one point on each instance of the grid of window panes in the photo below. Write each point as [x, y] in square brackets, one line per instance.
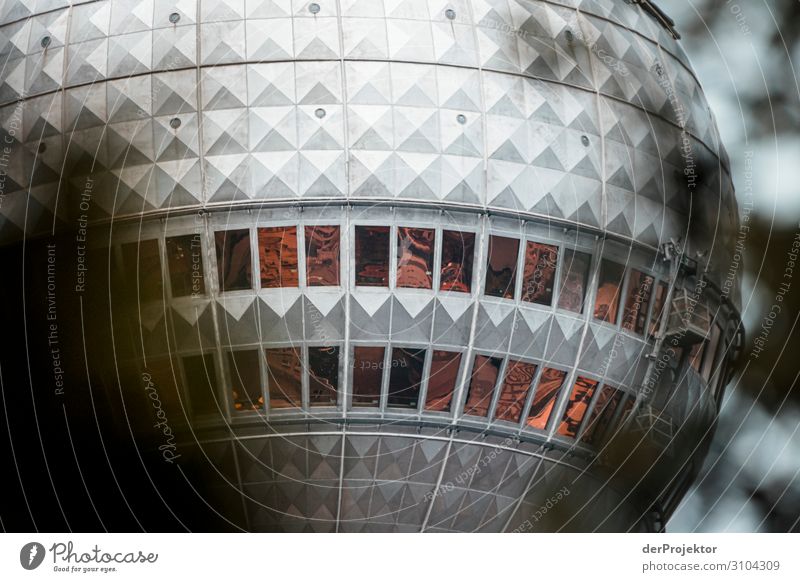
[422, 380]
[517, 394]
[406, 257]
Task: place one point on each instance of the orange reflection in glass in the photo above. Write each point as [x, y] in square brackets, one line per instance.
[283, 376]
[277, 251]
[323, 375]
[372, 256]
[481, 385]
[233, 259]
[606, 306]
[458, 249]
[442, 380]
[415, 257]
[501, 267]
[143, 264]
[539, 273]
[246, 379]
[582, 393]
[367, 375]
[322, 256]
[637, 301]
[547, 391]
[517, 381]
[602, 414]
[573, 281]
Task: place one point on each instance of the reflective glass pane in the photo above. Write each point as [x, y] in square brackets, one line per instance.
[185, 262]
[658, 307]
[201, 383]
[711, 352]
[573, 281]
[442, 380]
[323, 375]
[405, 377]
[602, 415]
[367, 375]
[234, 266]
[517, 381]
[372, 256]
[539, 273]
[284, 367]
[458, 250]
[545, 396]
[501, 268]
[246, 380]
[606, 306]
[481, 385]
[143, 265]
[277, 252]
[637, 301]
[322, 256]
[415, 257]
[582, 393]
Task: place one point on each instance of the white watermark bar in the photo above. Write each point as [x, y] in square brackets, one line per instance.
[399, 557]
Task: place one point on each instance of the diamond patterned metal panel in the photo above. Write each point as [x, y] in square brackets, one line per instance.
[571, 112]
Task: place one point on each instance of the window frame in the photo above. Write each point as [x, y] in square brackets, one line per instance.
[474, 282]
[229, 379]
[302, 255]
[352, 257]
[218, 288]
[203, 262]
[517, 279]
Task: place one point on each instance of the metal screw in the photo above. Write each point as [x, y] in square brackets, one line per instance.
[174, 17]
[45, 41]
[174, 123]
[461, 118]
[569, 35]
[585, 140]
[42, 147]
[320, 113]
[450, 14]
[314, 8]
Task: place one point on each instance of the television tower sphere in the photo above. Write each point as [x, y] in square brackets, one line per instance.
[389, 265]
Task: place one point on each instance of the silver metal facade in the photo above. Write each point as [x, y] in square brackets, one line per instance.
[575, 123]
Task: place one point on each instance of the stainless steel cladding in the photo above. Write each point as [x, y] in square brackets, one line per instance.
[409, 264]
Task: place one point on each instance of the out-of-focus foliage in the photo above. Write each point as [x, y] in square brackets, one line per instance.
[746, 55]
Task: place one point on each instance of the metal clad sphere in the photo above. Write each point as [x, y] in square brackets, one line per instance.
[546, 133]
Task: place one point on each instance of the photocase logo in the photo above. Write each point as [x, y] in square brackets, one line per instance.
[31, 555]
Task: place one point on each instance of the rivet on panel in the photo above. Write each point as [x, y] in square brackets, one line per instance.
[174, 123]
